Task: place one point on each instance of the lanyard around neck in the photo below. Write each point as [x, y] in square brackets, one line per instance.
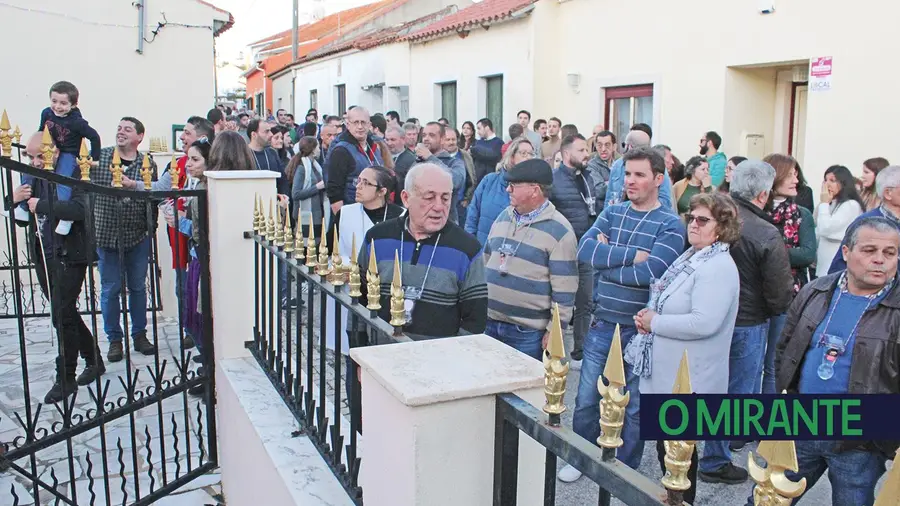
[427, 269]
[633, 232]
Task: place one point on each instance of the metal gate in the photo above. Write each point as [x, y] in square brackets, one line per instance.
[147, 426]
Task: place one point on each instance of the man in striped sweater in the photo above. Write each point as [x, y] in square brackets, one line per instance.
[529, 259]
[630, 245]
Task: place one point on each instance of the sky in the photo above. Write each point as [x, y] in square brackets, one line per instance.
[257, 19]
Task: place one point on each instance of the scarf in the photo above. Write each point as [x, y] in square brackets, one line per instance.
[786, 216]
[639, 351]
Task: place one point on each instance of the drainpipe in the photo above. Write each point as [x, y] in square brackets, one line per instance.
[141, 10]
[294, 38]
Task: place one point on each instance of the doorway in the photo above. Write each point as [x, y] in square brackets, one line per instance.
[797, 132]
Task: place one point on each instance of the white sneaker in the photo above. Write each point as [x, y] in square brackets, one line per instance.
[21, 214]
[568, 474]
[575, 365]
[63, 227]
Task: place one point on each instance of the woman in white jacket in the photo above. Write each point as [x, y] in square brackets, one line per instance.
[839, 205]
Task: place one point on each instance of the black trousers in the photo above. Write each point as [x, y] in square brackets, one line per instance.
[690, 493]
[63, 290]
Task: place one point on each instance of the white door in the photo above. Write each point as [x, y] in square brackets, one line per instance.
[798, 137]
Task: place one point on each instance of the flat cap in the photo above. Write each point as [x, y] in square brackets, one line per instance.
[530, 171]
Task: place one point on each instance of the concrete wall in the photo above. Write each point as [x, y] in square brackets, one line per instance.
[464, 61]
[172, 80]
[695, 91]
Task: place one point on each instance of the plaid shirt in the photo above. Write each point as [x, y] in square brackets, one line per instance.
[109, 210]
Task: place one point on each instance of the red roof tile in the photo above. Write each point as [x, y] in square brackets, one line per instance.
[487, 11]
[228, 24]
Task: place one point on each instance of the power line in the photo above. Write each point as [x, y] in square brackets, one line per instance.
[90, 22]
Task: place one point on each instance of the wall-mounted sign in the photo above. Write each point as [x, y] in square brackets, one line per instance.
[820, 70]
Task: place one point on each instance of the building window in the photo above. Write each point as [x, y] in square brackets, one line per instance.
[627, 105]
[260, 104]
[494, 102]
[314, 99]
[448, 102]
[341, 99]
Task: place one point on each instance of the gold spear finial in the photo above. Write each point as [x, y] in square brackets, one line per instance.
[373, 283]
[679, 453]
[261, 219]
[47, 148]
[773, 488]
[398, 311]
[173, 172]
[337, 269]
[288, 238]
[256, 213]
[147, 173]
[84, 161]
[310, 247]
[322, 269]
[115, 167]
[279, 230]
[355, 281]
[5, 138]
[612, 406]
[270, 225]
[555, 372]
[298, 242]
[890, 491]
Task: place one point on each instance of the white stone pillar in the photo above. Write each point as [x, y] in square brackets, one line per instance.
[428, 411]
[231, 263]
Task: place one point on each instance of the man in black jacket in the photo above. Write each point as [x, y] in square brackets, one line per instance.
[486, 152]
[766, 291]
[404, 159]
[65, 258]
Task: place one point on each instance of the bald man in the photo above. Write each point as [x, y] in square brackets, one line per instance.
[61, 262]
[615, 189]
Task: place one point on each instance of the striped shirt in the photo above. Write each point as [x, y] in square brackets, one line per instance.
[539, 259]
[454, 295]
[621, 287]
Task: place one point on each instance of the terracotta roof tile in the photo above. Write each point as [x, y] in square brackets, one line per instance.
[227, 25]
[487, 11]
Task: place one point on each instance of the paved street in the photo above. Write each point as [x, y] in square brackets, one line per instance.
[146, 461]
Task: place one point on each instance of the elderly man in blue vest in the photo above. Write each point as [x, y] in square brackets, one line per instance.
[354, 150]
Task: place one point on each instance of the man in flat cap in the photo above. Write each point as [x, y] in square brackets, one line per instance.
[530, 262]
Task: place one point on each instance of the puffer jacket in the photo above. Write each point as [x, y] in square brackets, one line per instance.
[567, 197]
[489, 201]
[763, 265]
[876, 352]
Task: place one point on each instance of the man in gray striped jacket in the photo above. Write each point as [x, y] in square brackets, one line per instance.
[529, 259]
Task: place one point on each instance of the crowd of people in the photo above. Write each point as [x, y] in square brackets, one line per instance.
[728, 258]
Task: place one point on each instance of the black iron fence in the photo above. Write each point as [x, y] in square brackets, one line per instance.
[310, 371]
[144, 425]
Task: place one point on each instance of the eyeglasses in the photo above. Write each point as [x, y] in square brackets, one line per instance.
[701, 220]
[362, 182]
[513, 186]
[358, 123]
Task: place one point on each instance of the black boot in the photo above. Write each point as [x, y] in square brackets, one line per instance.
[91, 372]
[142, 344]
[61, 389]
[116, 352]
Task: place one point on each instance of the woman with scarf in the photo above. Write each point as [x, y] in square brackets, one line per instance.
[798, 229]
[692, 308]
[307, 187]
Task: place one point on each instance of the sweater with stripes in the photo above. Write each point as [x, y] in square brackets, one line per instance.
[539, 258]
[622, 287]
[454, 294]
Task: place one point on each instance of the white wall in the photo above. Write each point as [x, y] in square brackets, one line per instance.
[503, 49]
[171, 81]
[691, 78]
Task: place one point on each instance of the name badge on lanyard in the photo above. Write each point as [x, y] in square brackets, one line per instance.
[411, 295]
[834, 348]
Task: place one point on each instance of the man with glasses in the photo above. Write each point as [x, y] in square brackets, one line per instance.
[525, 283]
[600, 163]
[353, 150]
[575, 195]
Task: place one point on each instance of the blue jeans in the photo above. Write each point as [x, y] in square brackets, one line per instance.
[586, 419]
[180, 280]
[137, 260]
[744, 367]
[853, 474]
[766, 379]
[524, 339]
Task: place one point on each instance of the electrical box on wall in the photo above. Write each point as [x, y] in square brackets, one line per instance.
[766, 6]
[753, 145]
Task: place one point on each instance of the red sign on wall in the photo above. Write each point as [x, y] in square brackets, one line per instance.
[820, 69]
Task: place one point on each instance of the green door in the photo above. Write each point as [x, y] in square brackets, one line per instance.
[448, 102]
[495, 103]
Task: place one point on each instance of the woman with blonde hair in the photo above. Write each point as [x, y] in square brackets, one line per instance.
[491, 198]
